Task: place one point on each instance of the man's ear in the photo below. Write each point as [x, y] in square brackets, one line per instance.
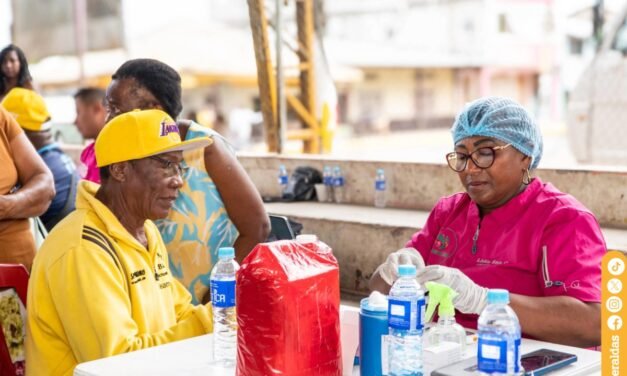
[119, 171]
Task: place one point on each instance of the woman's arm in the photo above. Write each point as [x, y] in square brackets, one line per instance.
[559, 319]
[240, 196]
[37, 190]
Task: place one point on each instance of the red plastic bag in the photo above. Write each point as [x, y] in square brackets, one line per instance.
[288, 311]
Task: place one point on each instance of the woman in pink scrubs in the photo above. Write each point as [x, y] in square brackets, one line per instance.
[509, 230]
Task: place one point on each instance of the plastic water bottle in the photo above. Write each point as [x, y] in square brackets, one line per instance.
[327, 179]
[498, 351]
[283, 178]
[222, 282]
[406, 309]
[379, 189]
[338, 185]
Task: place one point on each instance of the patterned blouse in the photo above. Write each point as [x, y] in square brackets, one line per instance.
[198, 223]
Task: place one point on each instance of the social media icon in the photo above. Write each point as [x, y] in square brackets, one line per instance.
[614, 285]
[616, 266]
[614, 304]
[614, 322]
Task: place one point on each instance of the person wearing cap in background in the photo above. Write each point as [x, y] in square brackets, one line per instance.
[30, 112]
[26, 189]
[90, 119]
[101, 284]
[509, 230]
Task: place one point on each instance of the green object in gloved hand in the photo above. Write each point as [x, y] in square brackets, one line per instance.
[471, 298]
[442, 295]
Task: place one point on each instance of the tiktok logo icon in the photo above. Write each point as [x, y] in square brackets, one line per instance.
[616, 266]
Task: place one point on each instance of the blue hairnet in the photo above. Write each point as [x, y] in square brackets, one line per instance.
[503, 119]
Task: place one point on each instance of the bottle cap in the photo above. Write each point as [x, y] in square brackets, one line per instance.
[498, 296]
[226, 252]
[407, 270]
[306, 238]
[443, 295]
[380, 171]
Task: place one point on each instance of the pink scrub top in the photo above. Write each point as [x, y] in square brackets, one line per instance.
[541, 243]
[88, 169]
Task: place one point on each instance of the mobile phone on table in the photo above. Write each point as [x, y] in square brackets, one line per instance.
[543, 361]
[535, 363]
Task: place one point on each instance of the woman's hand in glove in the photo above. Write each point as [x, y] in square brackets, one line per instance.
[471, 298]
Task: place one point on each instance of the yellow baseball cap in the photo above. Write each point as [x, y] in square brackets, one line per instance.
[28, 108]
[140, 134]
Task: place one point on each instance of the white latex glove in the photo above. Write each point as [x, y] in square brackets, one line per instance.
[471, 297]
[405, 256]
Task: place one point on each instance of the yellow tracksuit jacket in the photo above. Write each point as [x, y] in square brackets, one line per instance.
[95, 291]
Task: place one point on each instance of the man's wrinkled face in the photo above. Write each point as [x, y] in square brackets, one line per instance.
[152, 184]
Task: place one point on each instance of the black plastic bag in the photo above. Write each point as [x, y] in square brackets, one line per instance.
[301, 186]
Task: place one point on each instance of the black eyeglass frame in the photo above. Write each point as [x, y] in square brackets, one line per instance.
[454, 156]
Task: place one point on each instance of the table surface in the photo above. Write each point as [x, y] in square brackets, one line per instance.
[194, 356]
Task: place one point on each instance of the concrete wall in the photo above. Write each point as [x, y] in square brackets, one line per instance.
[419, 185]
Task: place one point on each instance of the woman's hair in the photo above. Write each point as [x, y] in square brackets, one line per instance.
[158, 78]
[23, 76]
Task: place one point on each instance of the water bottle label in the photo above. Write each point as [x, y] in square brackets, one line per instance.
[338, 182]
[379, 185]
[399, 314]
[420, 321]
[328, 180]
[283, 179]
[223, 293]
[492, 355]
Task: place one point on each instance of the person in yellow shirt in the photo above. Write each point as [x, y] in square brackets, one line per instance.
[100, 284]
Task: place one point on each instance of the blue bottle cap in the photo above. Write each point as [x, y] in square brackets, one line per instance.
[498, 296]
[380, 171]
[407, 270]
[226, 252]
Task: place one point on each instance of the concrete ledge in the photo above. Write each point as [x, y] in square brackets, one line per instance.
[362, 236]
[418, 186]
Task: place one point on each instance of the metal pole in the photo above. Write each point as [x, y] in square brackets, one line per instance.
[80, 36]
[280, 80]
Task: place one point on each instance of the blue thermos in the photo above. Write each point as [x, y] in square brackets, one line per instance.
[373, 324]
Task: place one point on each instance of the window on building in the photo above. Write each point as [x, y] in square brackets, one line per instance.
[575, 46]
[620, 43]
[504, 26]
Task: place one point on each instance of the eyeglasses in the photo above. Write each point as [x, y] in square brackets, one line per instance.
[171, 168]
[482, 158]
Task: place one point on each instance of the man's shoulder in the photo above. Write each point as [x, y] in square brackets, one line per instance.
[74, 233]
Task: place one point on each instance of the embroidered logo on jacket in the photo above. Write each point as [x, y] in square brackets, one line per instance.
[445, 243]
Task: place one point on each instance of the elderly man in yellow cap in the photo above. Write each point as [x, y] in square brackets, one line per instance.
[101, 284]
[30, 112]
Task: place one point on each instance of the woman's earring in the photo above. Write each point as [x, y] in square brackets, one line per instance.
[528, 176]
